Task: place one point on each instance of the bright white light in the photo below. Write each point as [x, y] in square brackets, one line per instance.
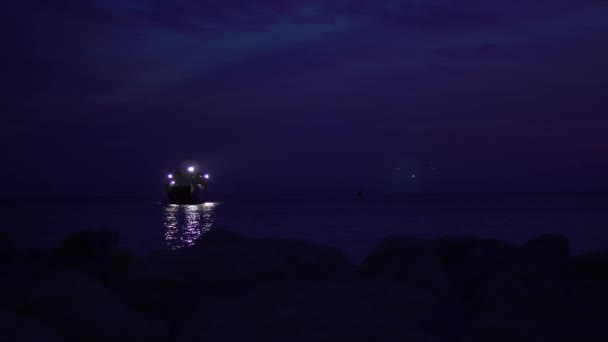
[190, 168]
[172, 182]
[170, 176]
[206, 176]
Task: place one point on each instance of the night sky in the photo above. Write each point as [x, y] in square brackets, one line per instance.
[290, 96]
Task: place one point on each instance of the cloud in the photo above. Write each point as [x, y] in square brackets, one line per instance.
[114, 84]
[129, 56]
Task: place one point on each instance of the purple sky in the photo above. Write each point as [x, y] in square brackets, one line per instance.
[287, 96]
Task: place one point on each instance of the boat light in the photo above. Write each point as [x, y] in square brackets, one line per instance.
[206, 176]
[172, 182]
[170, 176]
[190, 168]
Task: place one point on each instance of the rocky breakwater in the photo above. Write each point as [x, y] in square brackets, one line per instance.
[233, 288]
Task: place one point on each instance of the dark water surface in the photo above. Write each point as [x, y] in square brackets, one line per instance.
[352, 224]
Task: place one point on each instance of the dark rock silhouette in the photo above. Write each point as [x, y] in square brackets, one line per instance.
[170, 285]
[93, 252]
[335, 310]
[87, 245]
[591, 267]
[82, 310]
[532, 299]
[547, 253]
[7, 250]
[589, 277]
[160, 295]
[224, 263]
[232, 288]
[16, 327]
[453, 267]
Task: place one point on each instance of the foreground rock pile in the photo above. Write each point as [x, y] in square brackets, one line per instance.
[233, 288]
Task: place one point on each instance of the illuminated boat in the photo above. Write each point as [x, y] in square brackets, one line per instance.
[186, 187]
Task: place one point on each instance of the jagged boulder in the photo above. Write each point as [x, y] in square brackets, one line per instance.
[453, 267]
[158, 295]
[589, 277]
[86, 246]
[531, 299]
[93, 252]
[224, 262]
[406, 259]
[172, 285]
[80, 309]
[394, 257]
[546, 254]
[591, 267]
[17, 327]
[320, 310]
[7, 250]
[549, 313]
[470, 262]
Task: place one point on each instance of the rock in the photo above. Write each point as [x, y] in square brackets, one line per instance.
[159, 296]
[546, 254]
[319, 310]
[552, 316]
[17, 280]
[7, 251]
[469, 265]
[394, 256]
[16, 327]
[87, 245]
[171, 285]
[589, 276]
[306, 260]
[408, 260]
[518, 308]
[93, 252]
[223, 263]
[469, 261]
[543, 260]
[531, 299]
[591, 267]
[453, 267]
[82, 310]
[38, 255]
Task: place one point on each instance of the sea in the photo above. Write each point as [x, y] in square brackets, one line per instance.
[353, 224]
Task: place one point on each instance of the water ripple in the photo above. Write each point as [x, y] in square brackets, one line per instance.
[185, 224]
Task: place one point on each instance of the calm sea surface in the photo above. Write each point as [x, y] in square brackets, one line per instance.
[352, 224]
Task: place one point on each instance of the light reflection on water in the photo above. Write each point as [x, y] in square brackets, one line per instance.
[184, 224]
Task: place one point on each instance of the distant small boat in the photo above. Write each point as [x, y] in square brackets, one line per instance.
[360, 194]
[186, 187]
